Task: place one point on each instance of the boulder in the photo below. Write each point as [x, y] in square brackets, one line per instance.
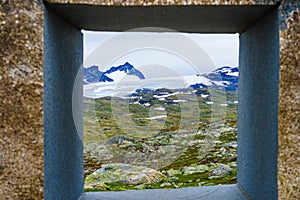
[119, 139]
[173, 172]
[221, 171]
[123, 174]
[194, 169]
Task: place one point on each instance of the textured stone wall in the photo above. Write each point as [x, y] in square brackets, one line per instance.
[21, 93]
[21, 100]
[289, 109]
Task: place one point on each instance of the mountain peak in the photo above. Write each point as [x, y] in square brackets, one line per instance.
[127, 63]
[125, 67]
[93, 74]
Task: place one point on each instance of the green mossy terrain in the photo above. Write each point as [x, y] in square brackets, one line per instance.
[205, 136]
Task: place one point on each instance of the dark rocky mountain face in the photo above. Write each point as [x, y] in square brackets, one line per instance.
[126, 68]
[93, 74]
[226, 74]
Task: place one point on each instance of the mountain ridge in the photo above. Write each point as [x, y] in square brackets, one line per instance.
[93, 74]
[104, 83]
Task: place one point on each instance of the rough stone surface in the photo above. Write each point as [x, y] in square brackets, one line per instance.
[21, 93]
[21, 100]
[289, 110]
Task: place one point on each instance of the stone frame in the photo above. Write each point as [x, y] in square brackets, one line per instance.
[258, 92]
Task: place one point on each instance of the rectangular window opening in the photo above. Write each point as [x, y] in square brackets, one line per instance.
[160, 109]
[258, 68]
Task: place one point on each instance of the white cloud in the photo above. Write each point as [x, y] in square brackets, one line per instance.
[222, 49]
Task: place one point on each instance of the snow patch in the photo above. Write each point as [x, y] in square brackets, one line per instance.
[233, 74]
[165, 96]
[146, 104]
[179, 100]
[224, 104]
[158, 117]
[160, 109]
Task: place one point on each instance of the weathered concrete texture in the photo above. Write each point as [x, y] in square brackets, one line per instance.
[289, 110]
[258, 100]
[21, 93]
[287, 6]
[21, 100]
[210, 19]
[63, 161]
[225, 192]
[257, 109]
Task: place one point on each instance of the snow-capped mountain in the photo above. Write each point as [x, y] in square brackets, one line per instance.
[93, 75]
[107, 83]
[226, 77]
[114, 74]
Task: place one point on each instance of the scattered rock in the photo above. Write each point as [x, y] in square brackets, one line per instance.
[230, 144]
[165, 185]
[220, 171]
[233, 164]
[172, 172]
[123, 174]
[156, 152]
[194, 169]
[119, 139]
[140, 187]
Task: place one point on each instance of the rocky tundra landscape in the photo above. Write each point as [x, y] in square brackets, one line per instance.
[159, 137]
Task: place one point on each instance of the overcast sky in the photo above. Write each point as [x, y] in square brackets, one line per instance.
[166, 53]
